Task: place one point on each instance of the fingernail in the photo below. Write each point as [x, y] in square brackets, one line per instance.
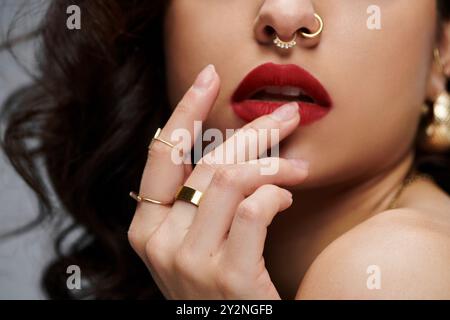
[205, 78]
[286, 112]
[299, 163]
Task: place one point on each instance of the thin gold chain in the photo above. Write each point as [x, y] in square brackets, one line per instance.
[411, 177]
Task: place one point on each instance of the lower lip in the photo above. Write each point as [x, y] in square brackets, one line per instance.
[249, 110]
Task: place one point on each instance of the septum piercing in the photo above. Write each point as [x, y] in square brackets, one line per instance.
[292, 43]
[285, 45]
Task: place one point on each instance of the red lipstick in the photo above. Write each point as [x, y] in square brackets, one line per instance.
[269, 86]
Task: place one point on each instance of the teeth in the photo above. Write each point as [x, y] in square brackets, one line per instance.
[290, 91]
[281, 93]
[273, 90]
[286, 91]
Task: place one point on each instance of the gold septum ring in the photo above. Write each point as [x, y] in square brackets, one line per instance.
[292, 43]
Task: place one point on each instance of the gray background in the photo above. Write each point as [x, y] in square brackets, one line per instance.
[23, 257]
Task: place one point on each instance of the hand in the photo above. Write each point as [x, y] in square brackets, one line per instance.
[214, 251]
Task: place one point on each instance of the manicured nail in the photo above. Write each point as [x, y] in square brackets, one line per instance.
[205, 78]
[299, 163]
[286, 112]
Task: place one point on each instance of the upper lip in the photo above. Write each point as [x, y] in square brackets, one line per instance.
[270, 74]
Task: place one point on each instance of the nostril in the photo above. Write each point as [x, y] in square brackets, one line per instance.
[269, 31]
[305, 30]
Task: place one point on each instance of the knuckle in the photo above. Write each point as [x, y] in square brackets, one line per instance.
[228, 280]
[249, 130]
[158, 149]
[282, 194]
[270, 188]
[135, 240]
[275, 124]
[183, 108]
[249, 127]
[207, 164]
[137, 237]
[181, 259]
[186, 264]
[155, 249]
[249, 211]
[226, 176]
[275, 191]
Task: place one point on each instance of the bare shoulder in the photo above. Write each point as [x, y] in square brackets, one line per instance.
[396, 254]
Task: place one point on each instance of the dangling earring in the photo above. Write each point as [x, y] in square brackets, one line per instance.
[436, 134]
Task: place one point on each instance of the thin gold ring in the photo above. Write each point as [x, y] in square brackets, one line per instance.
[157, 138]
[315, 34]
[190, 195]
[292, 43]
[140, 198]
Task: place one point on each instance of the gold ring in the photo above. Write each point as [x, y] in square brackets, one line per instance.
[315, 34]
[283, 44]
[157, 138]
[190, 195]
[140, 198]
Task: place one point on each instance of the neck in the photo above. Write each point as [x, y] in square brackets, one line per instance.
[319, 216]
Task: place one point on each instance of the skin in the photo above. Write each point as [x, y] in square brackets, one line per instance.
[336, 224]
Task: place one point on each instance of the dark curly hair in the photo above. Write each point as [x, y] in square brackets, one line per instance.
[79, 134]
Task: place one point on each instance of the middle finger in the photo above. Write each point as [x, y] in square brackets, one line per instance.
[284, 120]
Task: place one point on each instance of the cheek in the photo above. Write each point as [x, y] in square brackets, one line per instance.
[378, 101]
[378, 104]
[198, 33]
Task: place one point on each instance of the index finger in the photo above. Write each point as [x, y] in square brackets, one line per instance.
[162, 177]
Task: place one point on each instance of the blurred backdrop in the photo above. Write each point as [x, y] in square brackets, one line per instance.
[23, 257]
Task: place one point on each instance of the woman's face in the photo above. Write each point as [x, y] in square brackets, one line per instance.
[378, 79]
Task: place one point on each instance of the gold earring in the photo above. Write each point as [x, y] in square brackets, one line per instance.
[438, 60]
[436, 134]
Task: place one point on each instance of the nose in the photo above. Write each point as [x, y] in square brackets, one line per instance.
[285, 18]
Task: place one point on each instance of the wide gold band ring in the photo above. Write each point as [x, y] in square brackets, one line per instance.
[140, 198]
[190, 195]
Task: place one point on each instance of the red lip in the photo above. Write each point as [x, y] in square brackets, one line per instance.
[271, 74]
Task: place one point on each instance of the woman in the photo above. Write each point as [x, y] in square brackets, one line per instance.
[360, 221]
